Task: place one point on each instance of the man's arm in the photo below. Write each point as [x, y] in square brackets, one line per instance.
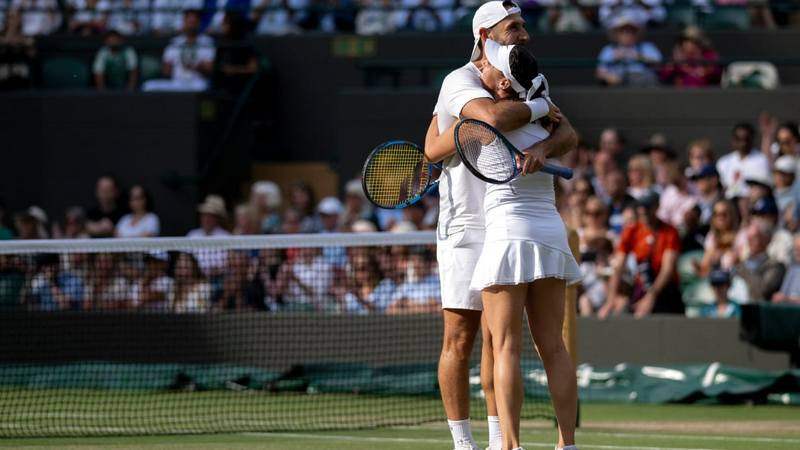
[668, 265]
[505, 115]
[562, 141]
[618, 265]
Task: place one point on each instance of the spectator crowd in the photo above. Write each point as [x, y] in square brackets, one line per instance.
[657, 235]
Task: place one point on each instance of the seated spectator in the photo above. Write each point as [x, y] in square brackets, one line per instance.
[612, 142]
[31, 224]
[116, 64]
[654, 247]
[419, 15]
[39, 17]
[141, 221]
[720, 245]
[419, 293]
[242, 288]
[272, 17]
[762, 274]
[245, 220]
[694, 63]
[765, 214]
[377, 17]
[303, 199]
[744, 159]
[661, 158]
[676, 199]
[621, 206]
[17, 53]
[212, 215]
[130, 17]
[106, 288]
[237, 63]
[701, 153]
[188, 60]
[190, 293]
[89, 18]
[74, 225]
[787, 140]
[266, 269]
[641, 177]
[790, 288]
[5, 231]
[365, 290]
[52, 289]
[103, 217]
[693, 233]
[265, 200]
[707, 190]
[14, 274]
[628, 61]
[596, 268]
[306, 281]
[356, 205]
[723, 306]
[212, 262]
[166, 17]
[150, 287]
[564, 16]
[603, 164]
[329, 210]
[644, 12]
[594, 224]
[576, 203]
[292, 221]
[787, 191]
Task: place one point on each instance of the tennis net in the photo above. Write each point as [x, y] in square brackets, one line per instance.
[240, 334]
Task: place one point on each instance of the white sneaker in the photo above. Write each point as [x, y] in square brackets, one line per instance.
[467, 447]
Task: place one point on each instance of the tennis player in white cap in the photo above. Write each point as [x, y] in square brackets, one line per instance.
[460, 231]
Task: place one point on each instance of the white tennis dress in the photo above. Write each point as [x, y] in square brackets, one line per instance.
[526, 239]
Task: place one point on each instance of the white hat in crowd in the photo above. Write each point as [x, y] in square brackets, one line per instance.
[759, 176]
[354, 187]
[487, 16]
[403, 227]
[214, 205]
[363, 226]
[330, 206]
[269, 190]
[38, 214]
[786, 164]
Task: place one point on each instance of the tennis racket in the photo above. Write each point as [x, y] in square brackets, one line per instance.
[395, 175]
[489, 156]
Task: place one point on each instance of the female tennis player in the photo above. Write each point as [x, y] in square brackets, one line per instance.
[526, 260]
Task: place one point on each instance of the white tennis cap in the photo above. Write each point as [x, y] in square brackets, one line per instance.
[786, 164]
[487, 16]
[498, 56]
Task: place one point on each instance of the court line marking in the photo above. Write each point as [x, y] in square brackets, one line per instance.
[341, 437]
[668, 435]
[705, 437]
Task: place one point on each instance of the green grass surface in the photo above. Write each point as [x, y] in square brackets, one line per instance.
[610, 427]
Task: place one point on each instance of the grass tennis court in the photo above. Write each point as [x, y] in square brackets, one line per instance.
[643, 427]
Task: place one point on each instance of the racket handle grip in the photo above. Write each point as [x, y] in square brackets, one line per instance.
[559, 171]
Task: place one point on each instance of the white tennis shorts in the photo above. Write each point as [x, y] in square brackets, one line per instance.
[457, 256]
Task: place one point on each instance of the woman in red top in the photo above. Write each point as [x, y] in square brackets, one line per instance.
[694, 63]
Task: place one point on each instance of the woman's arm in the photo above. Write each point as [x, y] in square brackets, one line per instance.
[439, 146]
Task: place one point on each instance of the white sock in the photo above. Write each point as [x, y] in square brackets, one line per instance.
[569, 447]
[462, 433]
[495, 435]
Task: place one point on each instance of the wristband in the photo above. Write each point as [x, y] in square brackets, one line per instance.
[539, 108]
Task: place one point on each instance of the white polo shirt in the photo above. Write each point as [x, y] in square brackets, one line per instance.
[460, 192]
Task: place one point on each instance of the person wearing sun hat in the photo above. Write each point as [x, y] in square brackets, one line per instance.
[627, 60]
[460, 232]
[694, 63]
[784, 174]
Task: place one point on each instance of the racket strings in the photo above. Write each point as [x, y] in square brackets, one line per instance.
[396, 174]
[487, 154]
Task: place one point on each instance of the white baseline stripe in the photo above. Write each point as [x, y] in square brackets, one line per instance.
[699, 437]
[339, 437]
